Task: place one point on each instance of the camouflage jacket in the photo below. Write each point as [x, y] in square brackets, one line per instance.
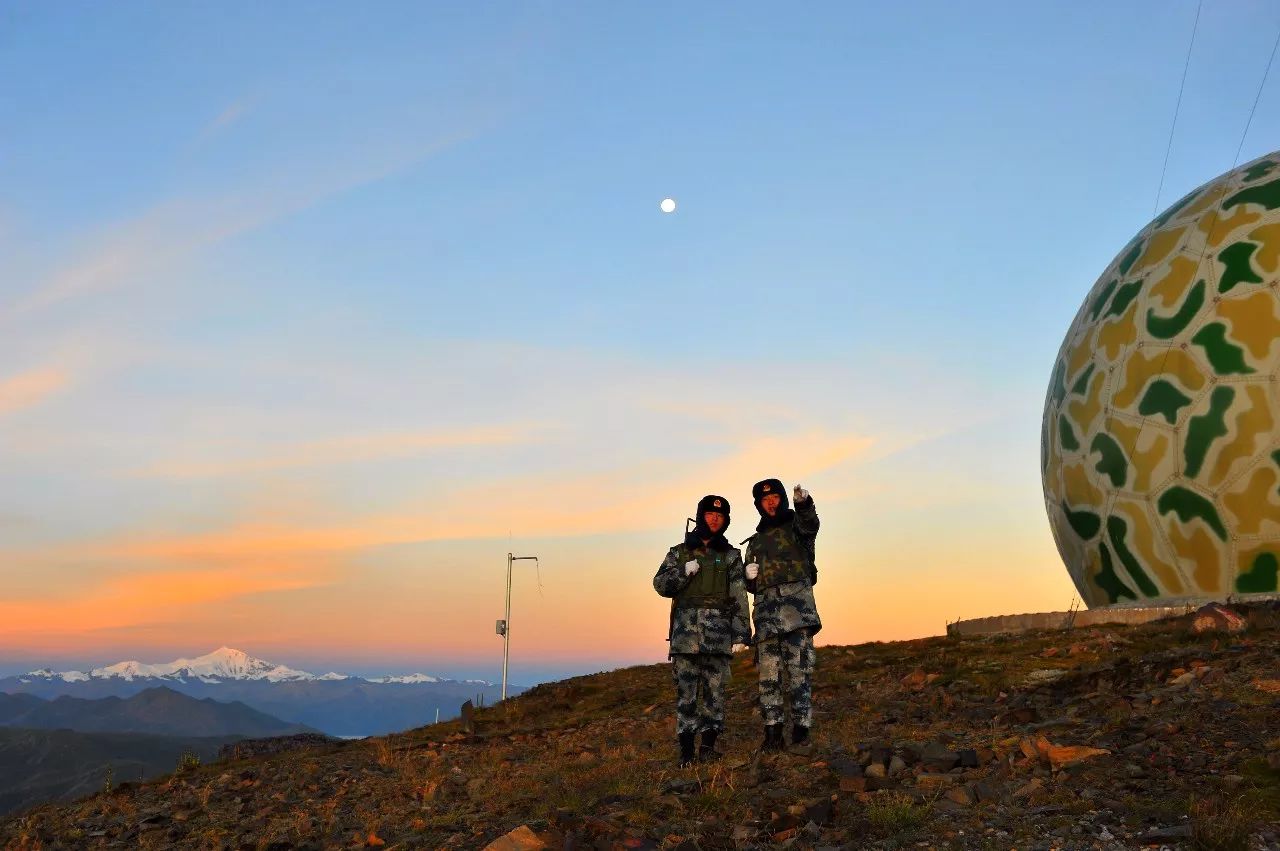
[704, 630]
[789, 605]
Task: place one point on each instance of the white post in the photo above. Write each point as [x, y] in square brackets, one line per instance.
[506, 623]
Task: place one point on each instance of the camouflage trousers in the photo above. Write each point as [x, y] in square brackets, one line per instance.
[694, 673]
[788, 658]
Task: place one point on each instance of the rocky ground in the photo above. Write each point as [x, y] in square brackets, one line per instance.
[1162, 735]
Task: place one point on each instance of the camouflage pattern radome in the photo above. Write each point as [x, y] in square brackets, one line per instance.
[786, 672]
[700, 683]
[790, 606]
[705, 630]
[1161, 433]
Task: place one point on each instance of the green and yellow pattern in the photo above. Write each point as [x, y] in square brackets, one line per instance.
[1160, 447]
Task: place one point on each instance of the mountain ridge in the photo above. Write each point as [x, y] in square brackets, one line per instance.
[157, 710]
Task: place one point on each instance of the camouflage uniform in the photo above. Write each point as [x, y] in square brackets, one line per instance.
[785, 614]
[706, 621]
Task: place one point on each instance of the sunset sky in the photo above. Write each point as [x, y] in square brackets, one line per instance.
[309, 313]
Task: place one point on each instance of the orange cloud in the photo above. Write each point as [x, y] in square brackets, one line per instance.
[141, 597]
[631, 499]
[30, 388]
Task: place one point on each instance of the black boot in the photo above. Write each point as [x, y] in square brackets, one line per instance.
[707, 751]
[799, 734]
[773, 738]
[686, 749]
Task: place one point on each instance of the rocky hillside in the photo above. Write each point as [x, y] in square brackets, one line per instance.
[1126, 737]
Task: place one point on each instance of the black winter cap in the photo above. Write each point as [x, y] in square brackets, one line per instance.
[768, 487]
[711, 502]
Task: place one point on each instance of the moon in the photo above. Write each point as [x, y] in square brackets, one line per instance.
[668, 205]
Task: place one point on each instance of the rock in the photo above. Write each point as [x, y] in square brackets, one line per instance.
[945, 805]
[896, 766]
[679, 787]
[984, 791]
[1215, 617]
[875, 769]
[960, 794]
[1183, 680]
[521, 839]
[1029, 789]
[846, 767]
[1061, 756]
[1044, 677]
[968, 758]
[917, 680]
[938, 757]
[1161, 834]
[853, 784]
[819, 811]
[1021, 715]
[468, 718]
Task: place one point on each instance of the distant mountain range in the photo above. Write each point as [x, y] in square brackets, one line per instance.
[333, 703]
[221, 665]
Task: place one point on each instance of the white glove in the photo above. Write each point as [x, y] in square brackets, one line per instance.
[753, 570]
[800, 494]
[737, 648]
[691, 567]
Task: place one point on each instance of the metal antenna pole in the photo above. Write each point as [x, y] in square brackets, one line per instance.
[504, 628]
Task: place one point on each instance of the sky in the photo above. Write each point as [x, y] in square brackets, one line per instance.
[311, 313]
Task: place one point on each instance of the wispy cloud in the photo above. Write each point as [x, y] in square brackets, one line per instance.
[345, 450]
[30, 388]
[176, 228]
[231, 114]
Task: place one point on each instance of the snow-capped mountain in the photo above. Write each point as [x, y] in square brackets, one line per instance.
[407, 678]
[221, 665]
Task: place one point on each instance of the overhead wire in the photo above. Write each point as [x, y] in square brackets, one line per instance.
[1177, 107]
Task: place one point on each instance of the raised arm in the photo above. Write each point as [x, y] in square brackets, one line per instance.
[807, 518]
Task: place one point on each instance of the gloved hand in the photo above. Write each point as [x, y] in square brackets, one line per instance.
[800, 494]
[691, 567]
[738, 647]
[753, 570]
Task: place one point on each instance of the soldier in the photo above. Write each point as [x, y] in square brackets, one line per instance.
[704, 577]
[781, 574]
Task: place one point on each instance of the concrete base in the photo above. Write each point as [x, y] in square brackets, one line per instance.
[1127, 614]
[1064, 620]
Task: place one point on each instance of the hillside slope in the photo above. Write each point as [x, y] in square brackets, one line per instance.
[1109, 738]
[48, 765]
